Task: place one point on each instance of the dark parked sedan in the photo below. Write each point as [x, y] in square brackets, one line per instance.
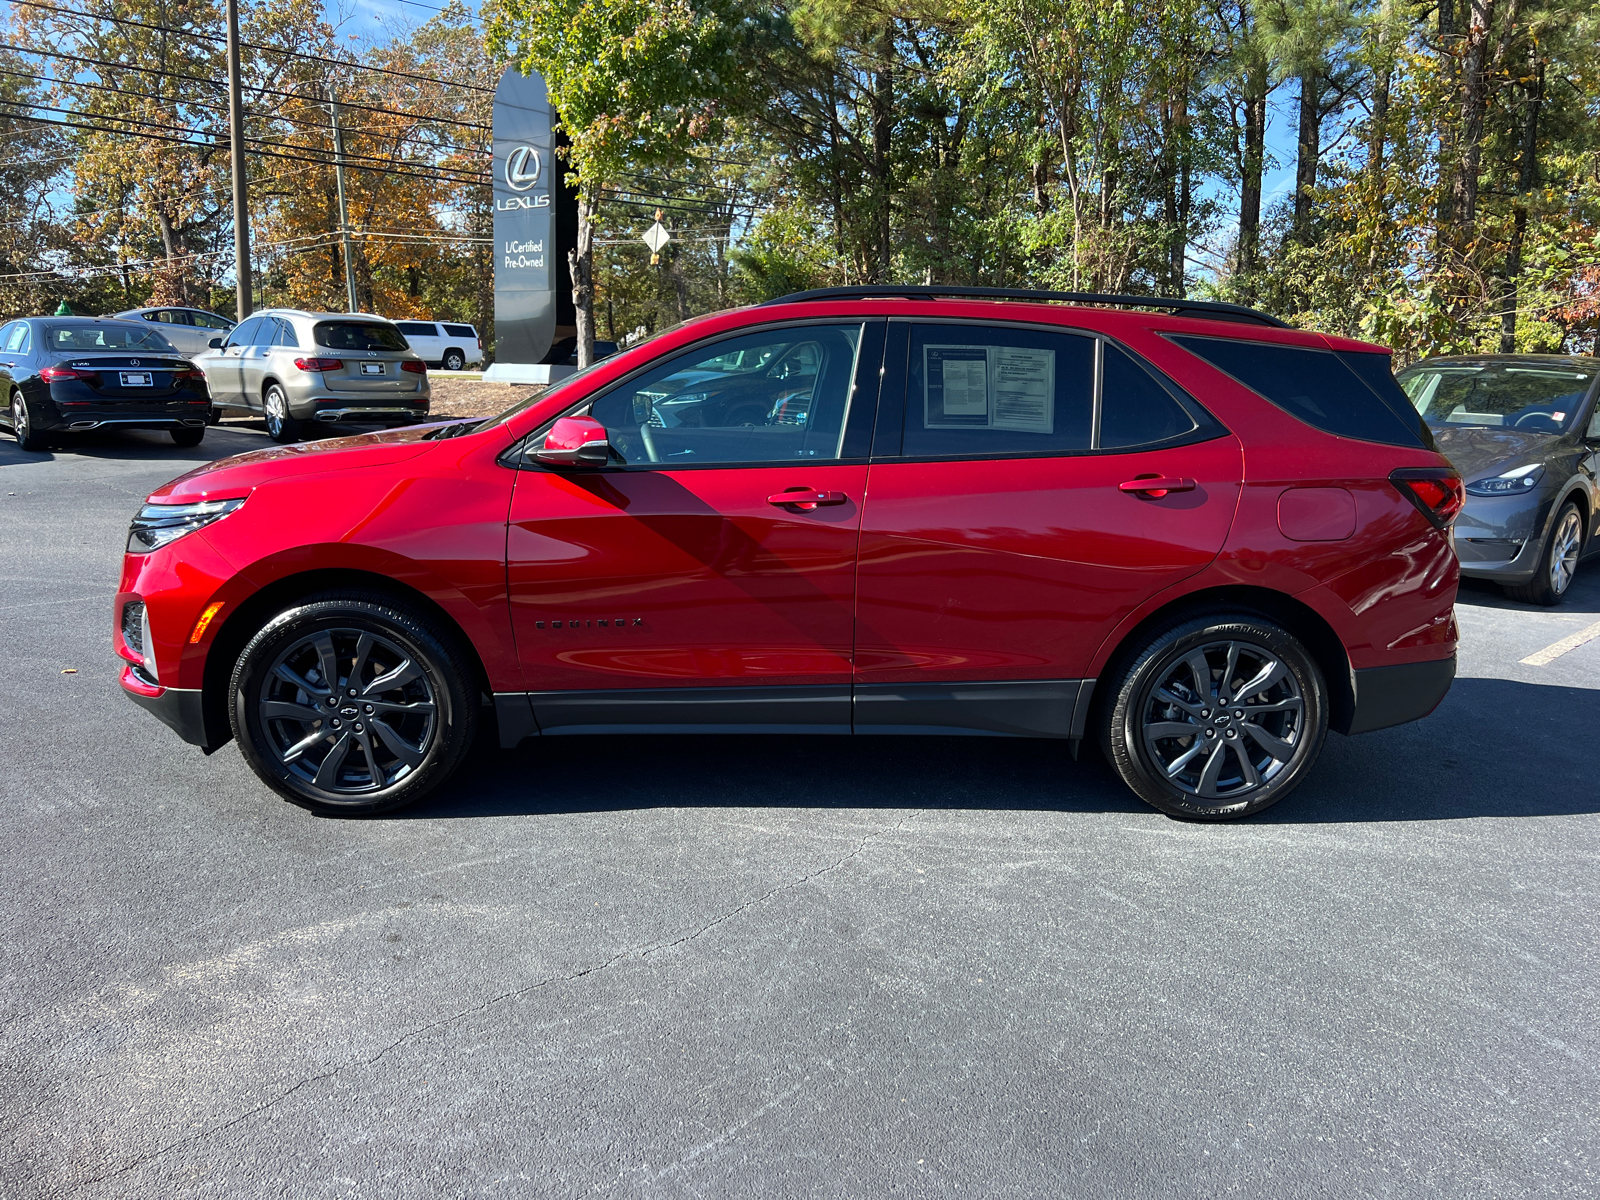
[73, 374]
[1522, 430]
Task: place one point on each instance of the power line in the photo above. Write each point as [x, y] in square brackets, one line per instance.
[333, 62]
[435, 175]
[256, 88]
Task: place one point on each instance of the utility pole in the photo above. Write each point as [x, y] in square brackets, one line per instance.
[344, 220]
[241, 199]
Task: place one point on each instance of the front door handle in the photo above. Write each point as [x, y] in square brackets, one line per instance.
[1156, 486]
[805, 499]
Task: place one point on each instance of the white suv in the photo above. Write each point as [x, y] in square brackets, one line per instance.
[444, 343]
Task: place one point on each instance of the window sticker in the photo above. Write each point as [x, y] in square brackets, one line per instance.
[989, 387]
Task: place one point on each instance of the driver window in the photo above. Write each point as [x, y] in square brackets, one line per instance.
[773, 396]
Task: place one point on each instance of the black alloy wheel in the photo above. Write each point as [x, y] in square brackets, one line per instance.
[281, 427]
[22, 425]
[188, 436]
[1558, 562]
[1216, 717]
[353, 704]
[454, 360]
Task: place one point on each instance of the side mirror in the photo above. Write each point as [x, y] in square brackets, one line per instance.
[215, 343]
[575, 441]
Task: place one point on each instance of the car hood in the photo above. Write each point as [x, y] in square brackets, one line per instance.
[1479, 450]
[238, 475]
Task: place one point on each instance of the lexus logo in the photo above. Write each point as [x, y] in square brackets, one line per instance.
[523, 167]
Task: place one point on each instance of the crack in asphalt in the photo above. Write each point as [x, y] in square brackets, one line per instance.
[478, 1008]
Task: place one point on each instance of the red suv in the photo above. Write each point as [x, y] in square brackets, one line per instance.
[1183, 529]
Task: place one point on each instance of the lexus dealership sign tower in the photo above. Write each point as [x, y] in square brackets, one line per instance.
[532, 282]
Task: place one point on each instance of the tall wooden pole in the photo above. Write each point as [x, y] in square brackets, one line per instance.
[344, 218]
[241, 198]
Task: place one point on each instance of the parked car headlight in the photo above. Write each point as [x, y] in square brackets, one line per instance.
[158, 524]
[1518, 479]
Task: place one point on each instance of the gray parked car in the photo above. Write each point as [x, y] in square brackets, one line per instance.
[296, 368]
[1523, 431]
[189, 329]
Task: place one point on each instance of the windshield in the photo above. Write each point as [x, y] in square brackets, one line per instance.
[359, 335]
[1534, 397]
[74, 339]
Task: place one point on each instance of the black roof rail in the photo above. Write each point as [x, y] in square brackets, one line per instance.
[1212, 310]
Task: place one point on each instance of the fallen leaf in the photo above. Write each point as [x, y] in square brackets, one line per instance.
[69, 670]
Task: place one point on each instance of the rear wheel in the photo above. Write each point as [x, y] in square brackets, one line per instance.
[454, 360]
[353, 704]
[281, 427]
[1557, 565]
[22, 425]
[188, 436]
[1216, 716]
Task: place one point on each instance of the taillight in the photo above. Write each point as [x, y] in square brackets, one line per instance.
[480, 343]
[1436, 491]
[416, 368]
[191, 373]
[319, 364]
[59, 374]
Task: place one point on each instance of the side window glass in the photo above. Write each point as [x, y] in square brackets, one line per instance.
[1313, 386]
[772, 396]
[9, 335]
[21, 341]
[1135, 410]
[992, 391]
[244, 334]
[286, 334]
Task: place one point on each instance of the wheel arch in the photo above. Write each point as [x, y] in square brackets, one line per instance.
[1299, 618]
[247, 619]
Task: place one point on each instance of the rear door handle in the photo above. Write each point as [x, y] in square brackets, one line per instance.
[805, 499]
[1156, 486]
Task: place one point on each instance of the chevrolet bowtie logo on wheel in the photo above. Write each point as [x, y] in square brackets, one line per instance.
[523, 167]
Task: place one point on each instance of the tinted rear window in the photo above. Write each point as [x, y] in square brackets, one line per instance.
[359, 335]
[466, 331]
[69, 339]
[1377, 372]
[1314, 386]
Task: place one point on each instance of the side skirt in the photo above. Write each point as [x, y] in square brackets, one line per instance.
[1033, 708]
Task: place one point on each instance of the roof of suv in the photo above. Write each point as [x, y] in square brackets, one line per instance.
[1215, 310]
[1583, 361]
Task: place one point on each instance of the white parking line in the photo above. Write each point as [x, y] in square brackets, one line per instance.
[1556, 649]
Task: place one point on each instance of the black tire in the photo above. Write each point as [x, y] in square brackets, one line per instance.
[1156, 692]
[281, 427]
[374, 761]
[454, 360]
[1558, 561]
[213, 415]
[188, 436]
[22, 425]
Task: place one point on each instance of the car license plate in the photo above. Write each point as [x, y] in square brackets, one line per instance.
[136, 379]
[372, 368]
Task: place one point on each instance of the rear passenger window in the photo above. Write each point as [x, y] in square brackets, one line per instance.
[462, 331]
[286, 335]
[1314, 386]
[993, 391]
[416, 328]
[1135, 410]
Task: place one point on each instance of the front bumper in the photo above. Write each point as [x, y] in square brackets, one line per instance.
[177, 708]
[1500, 538]
[1388, 696]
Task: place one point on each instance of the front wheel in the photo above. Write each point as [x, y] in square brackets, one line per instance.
[454, 360]
[1216, 717]
[22, 425]
[281, 427]
[1557, 565]
[353, 704]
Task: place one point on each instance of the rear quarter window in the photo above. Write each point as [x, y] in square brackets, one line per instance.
[461, 331]
[1318, 387]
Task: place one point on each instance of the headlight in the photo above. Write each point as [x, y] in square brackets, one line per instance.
[1520, 479]
[158, 524]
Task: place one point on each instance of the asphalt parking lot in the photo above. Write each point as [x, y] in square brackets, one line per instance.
[781, 967]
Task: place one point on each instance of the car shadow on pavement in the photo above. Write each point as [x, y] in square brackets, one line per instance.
[1495, 748]
[1582, 597]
